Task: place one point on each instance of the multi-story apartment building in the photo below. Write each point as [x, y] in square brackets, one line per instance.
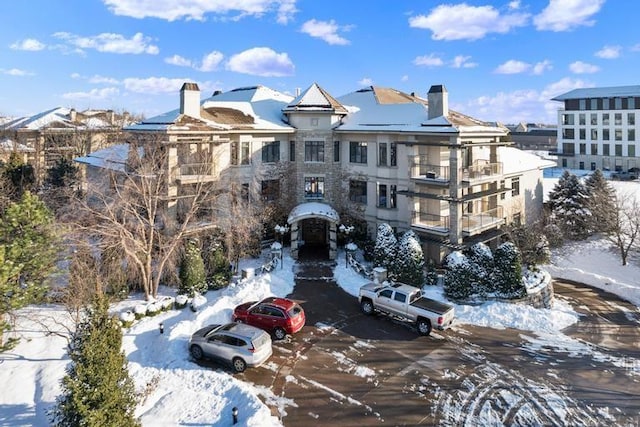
[597, 128]
[45, 137]
[401, 159]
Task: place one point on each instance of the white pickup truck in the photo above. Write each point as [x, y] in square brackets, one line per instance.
[406, 302]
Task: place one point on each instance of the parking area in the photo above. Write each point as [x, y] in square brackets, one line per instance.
[348, 369]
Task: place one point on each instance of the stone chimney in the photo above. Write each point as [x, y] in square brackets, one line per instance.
[190, 100]
[73, 115]
[438, 100]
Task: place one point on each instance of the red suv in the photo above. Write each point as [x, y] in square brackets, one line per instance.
[280, 316]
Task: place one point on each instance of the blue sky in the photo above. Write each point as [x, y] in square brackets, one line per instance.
[499, 60]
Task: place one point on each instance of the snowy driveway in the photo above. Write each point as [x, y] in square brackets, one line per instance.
[348, 369]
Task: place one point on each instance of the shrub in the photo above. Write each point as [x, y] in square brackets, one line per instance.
[192, 272]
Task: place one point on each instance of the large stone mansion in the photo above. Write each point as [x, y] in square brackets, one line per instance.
[402, 159]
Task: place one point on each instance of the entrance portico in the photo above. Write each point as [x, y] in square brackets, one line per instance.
[313, 224]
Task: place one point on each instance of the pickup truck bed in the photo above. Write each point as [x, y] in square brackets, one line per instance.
[431, 305]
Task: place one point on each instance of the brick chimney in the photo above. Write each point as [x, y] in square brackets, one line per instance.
[190, 100]
[438, 99]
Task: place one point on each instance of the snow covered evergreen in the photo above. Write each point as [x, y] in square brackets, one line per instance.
[385, 249]
[601, 202]
[410, 262]
[569, 207]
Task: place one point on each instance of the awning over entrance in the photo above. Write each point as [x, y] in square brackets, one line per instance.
[313, 210]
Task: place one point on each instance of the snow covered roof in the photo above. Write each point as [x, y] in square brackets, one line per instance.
[385, 109]
[315, 99]
[10, 145]
[518, 161]
[59, 118]
[111, 158]
[254, 107]
[313, 210]
[600, 92]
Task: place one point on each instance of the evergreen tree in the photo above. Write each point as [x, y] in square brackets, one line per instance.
[458, 277]
[216, 263]
[29, 249]
[508, 271]
[27, 228]
[192, 272]
[62, 173]
[481, 264]
[410, 260]
[601, 202]
[569, 207]
[385, 248]
[432, 274]
[20, 176]
[97, 390]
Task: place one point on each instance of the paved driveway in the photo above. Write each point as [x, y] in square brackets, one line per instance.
[348, 369]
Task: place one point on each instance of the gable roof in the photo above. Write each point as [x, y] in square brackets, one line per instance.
[59, 118]
[314, 98]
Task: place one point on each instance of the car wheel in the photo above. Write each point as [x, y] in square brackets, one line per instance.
[424, 326]
[196, 352]
[366, 306]
[239, 321]
[280, 333]
[239, 365]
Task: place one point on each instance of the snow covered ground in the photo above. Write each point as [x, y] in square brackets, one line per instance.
[176, 391]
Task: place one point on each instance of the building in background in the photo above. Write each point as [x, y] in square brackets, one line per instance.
[377, 153]
[597, 128]
[45, 137]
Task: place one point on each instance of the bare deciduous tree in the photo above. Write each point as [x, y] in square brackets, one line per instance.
[139, 212]
[625, 230]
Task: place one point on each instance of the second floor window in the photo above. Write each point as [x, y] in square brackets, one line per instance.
[358, 152]
[313, 187]
[382, 154]
[270, 190]
[271, 152]
[393, 160]
[515, 186]
[314, 151]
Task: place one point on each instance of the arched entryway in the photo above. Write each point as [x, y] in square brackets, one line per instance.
[313, 230]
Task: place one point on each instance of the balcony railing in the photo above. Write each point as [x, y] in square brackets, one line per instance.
[481, 171]
[197, 172]
[478, 222]
[430, 221]
[422, 169]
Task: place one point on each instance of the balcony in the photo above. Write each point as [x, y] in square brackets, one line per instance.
[477, 223]
[192, 173]
[422, 170]
[481, 171]
[431, 222]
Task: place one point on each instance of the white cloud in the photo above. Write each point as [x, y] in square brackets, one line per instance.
[172, 10]
[512, 66]
[366, 81]
[325, 30]
[514, 5]
[154, 85]
[28, 44]
[461, 61]
[178, 60]
[261, 61]
[464, 22]
[430, 60]
[609, 52]
[404, 78]
[16, 72]
[111, 43]
[580, 67]
[635, 47]
[95, 94]
[211, 61]
[98, 79]
[525, 105]
[541, 67]
[564, 15]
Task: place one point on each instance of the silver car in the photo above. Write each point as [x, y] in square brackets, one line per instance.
[235, 344]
